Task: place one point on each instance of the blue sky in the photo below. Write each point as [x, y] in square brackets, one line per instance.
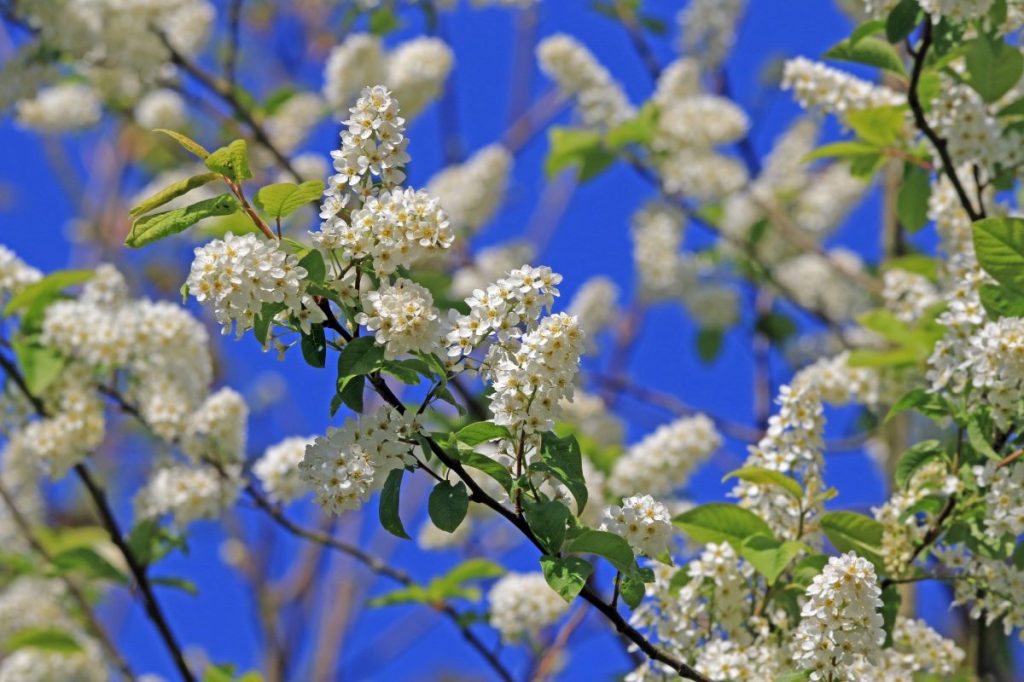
[592, 238]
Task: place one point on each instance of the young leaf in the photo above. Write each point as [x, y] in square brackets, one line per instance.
[912, 201]
[231, 161]
[566, 575]
[44, 639]
[769, 556]
[721, 522]
[388, 509]
[914, 458]
[641, 129]
[843, 150]
[481, 432]
[186, 586]
[156, 226]
[171, 192]
[448, 505]
[40, 365]
[87, 562]
[185, 141]
[999, 245]
[853, 532]
[361, 355]
[314, 346]
[869, 51]
[881, 126]
[47, 288]
[284, 198]
[608, 545]
[580, 148]
[762, 476]
[632, 590]
[919, 399]
[993, 66]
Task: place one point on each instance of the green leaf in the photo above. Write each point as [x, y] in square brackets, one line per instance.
[314, 346]
[231, 161]
[902, 20]
[448, 505]
[709, 343]
[359, 356]
[561, 457]
[284, 198]
[472, 569]
[487, 465]
[566, 575]
[868, 28]
[383, 21]
[47, 288]
[388, 509]
[608, 545]
[917, 263]
[150, 542]
[776, 326]
[156, 226]
[795, 676]
[481, 432]
[313, 264]
[219, 673]
[853, 532]
[632, 590]
[1000, 301]
[891, 600]
[261, 325]
[978, 440]
[869, 51]
[999, 245]
[350, 393]
[185, 141]
[881, 126]
[843, 150]
[921, 400]
[769, 556]
[44, 639]
[40, 365]
[993, 66]
[88, 562]
[641, 129]
[548, 521]
[580, 148]
[186, 586]
[171, 192]
[912, 201]
[914, 458]
[761, 476]
[721, 522]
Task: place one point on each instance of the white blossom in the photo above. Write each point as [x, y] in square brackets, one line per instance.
[600, 100]
[522, 604]
[278, 469]
[471, 192]
[644, 522]
[402, 318]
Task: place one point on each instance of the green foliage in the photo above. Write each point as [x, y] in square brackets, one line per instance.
[481, 432]
[582, 149]
[231, 161]
[912, 200]
[561, 458]
[186, 142]
[910, 344]
[902, 20]
[45, 639]
[313, 264]
[776, 326]
[767, 477]
[1001, 301]
[999, 245]
[149, 542]
[186, 586]
[349, 392]
[46, 289]
[604, 544]
[314, 346]
[359, 356]
[641, 129]
[768, 556]
[88, 563]
[40, 365]
[721, 522]
[448, 505]
[709, 343]
[631, 589]
[993, 66]
[443, 588]
[261, 325]
[566, 575]
[383, 21]
[487, 465]
[284, 198]
[388, 509]
[549, 521]
[172, 192]
[891, 599]
[881, 126]
[914, 458]
[868, 51]
[852, 532]
[156, 226]
[845, 149]
[922, 400]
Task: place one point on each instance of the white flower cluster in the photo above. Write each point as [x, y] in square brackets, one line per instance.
[973, 134]
[431, 537]
[60, 108]
[723, 659]
[709, 29]
[956, 10]
[161, 108]
[217, 430]
[522, 604]
[238, 275]
[817, 86]
[643, 522]
[995, 364]
[840, 621]
[658, 230]
[188, 493]
[402, 318]
[1004, 498]
[531, 380]
[793, 443]
[415, 71]
[488, 265]
[812, 281]
[293, 120]
[395, 228]
[472, 191]
[991, 587]
[678, 80]
[916, 649]
[347, 465]
[594, 307]
[662, 462]
[599, 98]
[15, 274]
[278, 469]
[907, 294]
[591, 416]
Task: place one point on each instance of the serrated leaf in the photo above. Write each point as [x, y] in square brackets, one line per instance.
[231, 161]
[48, 287]
[993, 66]
[566, 575]
[914, 458]
[721, 522]
[912, 200]
[999, 245]
[284, 198]
[869, 51]
[767, 477]
[853, 532]
[186, 142]
[172, 192]
[481, 432]
[1000, 301]
[448, 505]
[388, 509]
[361, 355]
[156, 226]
